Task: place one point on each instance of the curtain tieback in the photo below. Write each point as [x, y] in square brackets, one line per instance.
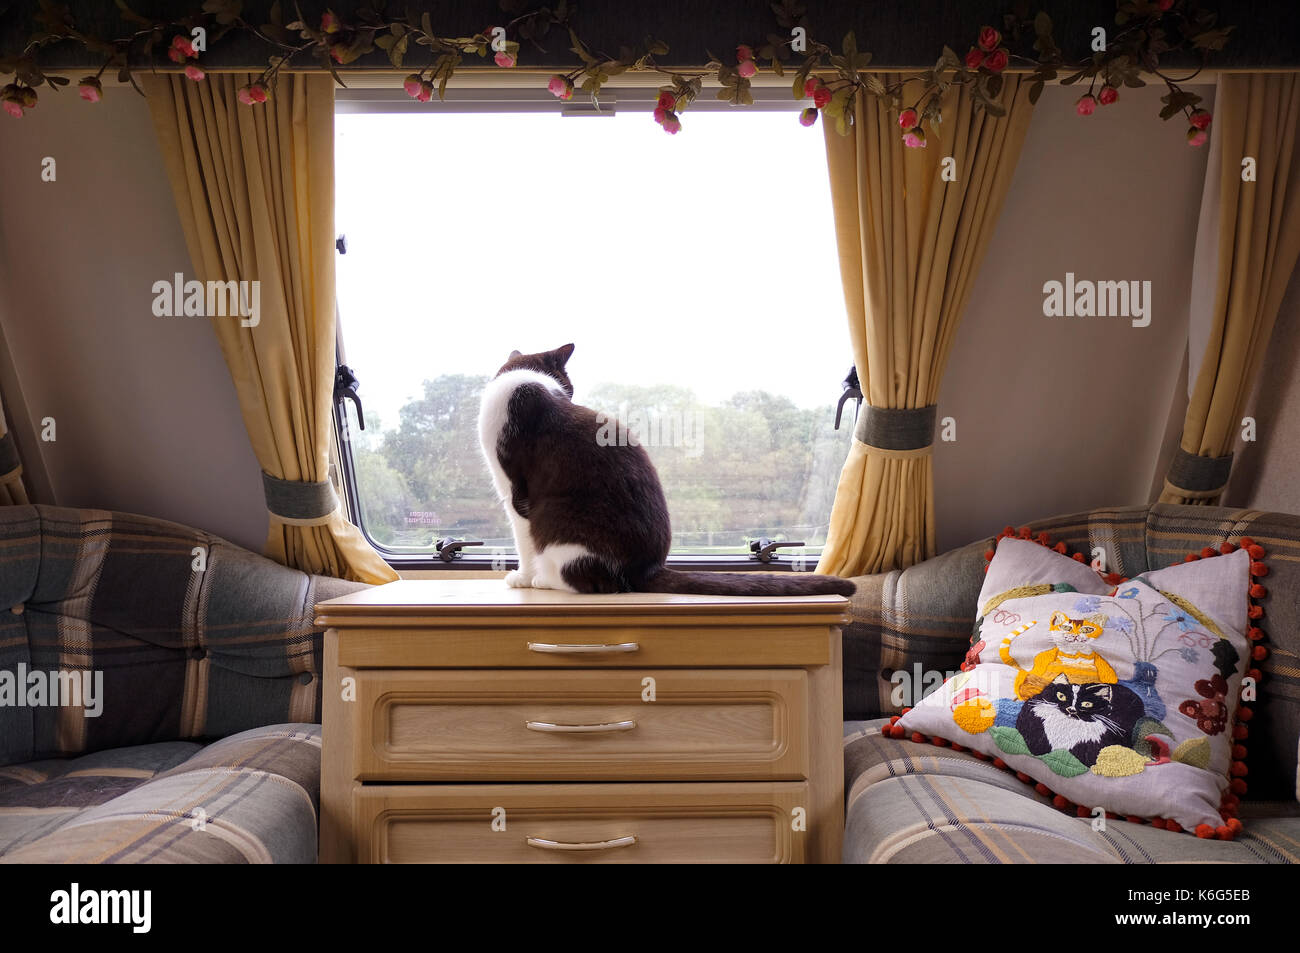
[1197, 477]
[11, 467]
[299, 502]
[905, 432]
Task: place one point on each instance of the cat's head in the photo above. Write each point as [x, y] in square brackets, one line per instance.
[1084, 702]
[1068, 630]
[550, 363]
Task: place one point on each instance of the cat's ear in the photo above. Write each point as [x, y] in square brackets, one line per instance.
[1058, 618]
[563, 353]
[513, 355]
[1061, 679]
[1105, 692]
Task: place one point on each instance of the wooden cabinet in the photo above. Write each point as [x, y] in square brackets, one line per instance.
[468, 722]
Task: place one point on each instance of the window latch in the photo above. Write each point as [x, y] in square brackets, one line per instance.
[450, 548]
[345, 388]
[765, 550]
[852, 391]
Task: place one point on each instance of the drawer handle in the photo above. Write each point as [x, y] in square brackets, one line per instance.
[583, 649]
[541, 842]
[580, 729]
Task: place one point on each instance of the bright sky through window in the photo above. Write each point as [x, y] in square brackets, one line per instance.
[704, 260]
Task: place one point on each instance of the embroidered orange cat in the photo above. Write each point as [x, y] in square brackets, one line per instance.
[1069, 656]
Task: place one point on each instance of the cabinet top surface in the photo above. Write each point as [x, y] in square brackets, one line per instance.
[491, 597]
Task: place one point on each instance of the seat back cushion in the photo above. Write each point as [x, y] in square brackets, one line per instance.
[153, 632]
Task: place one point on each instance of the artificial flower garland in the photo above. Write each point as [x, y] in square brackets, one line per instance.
[1143, 35]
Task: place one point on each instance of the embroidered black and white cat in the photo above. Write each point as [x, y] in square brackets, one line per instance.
[589, 514]
[1081, 719]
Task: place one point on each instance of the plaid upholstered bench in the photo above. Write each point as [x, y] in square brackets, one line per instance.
[912, 802]
[159, 694]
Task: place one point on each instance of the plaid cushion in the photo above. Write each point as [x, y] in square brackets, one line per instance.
[39, 797]
[920, 619]
[249, 798]
[183, 653]
[917, 803]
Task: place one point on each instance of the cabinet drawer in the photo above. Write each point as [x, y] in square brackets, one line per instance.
[581, 823]
[522, 725]
[568, 643]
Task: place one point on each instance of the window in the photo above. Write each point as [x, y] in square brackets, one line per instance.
[696, 274]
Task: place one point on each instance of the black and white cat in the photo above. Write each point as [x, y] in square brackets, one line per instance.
[589, 515]
[1081, 719]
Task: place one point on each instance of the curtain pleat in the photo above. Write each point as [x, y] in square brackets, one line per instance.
[254, 187]
[1256, 116]
[910, 245]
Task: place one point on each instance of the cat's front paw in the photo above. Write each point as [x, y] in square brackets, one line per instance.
[517, 579]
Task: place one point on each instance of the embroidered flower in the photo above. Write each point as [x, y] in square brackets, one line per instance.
[1189, 654]
[1184, 621]
[1130, 593]
[1120, 623]
[1086, 604]
[1210, 711]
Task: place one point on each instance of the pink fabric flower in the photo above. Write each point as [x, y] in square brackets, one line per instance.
[908, 119]
[426, 92]
[672, 125]
[744, 53]
[90, 89]
[914, 138]
[1201, 118]
[808, 116]
[1107, 95]
[175, 55]
[1196, 137]
[252, 94]
[810, 86]
[997, 61]
[13, 109]
[1086, 105]
[666, 101]
[747, 68]
[504, 60]
[556, 86]
[989, 39]
[821, 96]
[660, 114]
[183, 46]
[1163, 5]
[329, 22]
[194, 72]
[974, 58]
[412, 85]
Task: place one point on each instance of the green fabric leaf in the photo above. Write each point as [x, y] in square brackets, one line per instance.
[1063, 763]
[1008, 739]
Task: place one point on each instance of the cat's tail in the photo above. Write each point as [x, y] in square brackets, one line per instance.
[747, 584]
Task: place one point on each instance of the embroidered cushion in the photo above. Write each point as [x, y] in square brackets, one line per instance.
[1120, 698]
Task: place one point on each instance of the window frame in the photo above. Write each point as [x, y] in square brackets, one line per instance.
[495, 98]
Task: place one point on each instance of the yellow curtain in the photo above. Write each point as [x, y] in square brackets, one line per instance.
[910, 245]
[12, 491]
[254, 186]
[1255, 117]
